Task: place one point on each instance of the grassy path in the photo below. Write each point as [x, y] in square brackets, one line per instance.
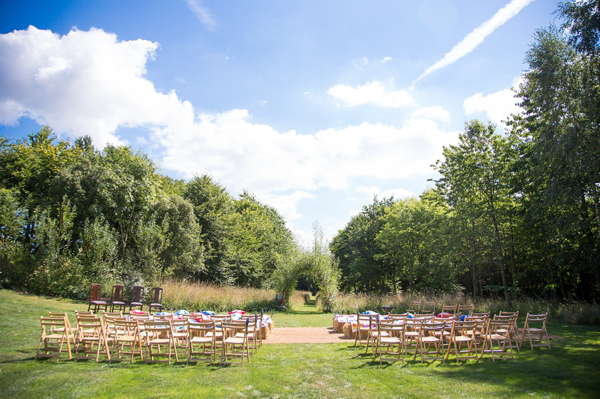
[570, 369]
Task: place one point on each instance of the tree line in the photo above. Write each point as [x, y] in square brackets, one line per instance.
[511, 214]
[71, 215]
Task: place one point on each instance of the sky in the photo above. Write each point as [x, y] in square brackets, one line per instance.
[314, 107]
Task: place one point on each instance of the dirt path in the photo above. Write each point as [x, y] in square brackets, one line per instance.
[305, 335]
[318, 335]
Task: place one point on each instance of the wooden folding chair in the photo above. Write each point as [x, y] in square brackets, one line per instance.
[464, 309]
[180, 335]
[449, 309]
[510, 317]
[158, 334]
[412, 330]
[414, 306]
[427, 339]
[428, 307]
[464, 333]
[127, 334]
[363, 329]
[387, 337]
[254, 335]
[235, 344]
[496, 340]
[535, 329]
[54, 335]
[67, 328]
[91, 333]
[201, 344]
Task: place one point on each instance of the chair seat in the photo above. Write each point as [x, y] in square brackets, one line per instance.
[232, 340]
[156, 305]
[462, 338]
[98, 302]
[118, 303]
[136, 304]
[390, 340]
[159, 341]
[201, 340]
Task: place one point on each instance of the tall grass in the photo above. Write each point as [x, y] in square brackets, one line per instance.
[573, 313]
[181, 294]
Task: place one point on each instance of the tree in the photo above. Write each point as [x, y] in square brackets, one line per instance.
[476, 183]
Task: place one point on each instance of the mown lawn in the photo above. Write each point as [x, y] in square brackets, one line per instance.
[570, 369]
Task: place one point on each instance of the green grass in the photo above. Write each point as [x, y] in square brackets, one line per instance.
[570, 369]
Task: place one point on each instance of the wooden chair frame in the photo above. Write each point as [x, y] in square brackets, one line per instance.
[95, 298]
[91, 333]
[156, 299]
[201, 344]
[157, 334]
[465, 333]
[137, 298]
[117, 298]
[127, 335]
[54, 335]
[536, 333]
[387, 337]
[234, 341]
[427, 339]
[496, 339]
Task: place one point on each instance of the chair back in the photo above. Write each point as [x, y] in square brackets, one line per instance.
[95, 292]
[449, 309]
[138, 291]
[428, 307]
[157, 294]
[203, 329]
[117, 292]
[464, 309]
[414, 306]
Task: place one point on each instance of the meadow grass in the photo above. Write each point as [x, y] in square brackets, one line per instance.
[569, 369]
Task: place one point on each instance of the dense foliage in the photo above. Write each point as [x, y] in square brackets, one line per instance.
[71, 215]
[513, 213]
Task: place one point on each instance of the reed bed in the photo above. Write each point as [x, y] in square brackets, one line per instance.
[572, 312]
[181, 294]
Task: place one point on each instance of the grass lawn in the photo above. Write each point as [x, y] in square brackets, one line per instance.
[570, 369]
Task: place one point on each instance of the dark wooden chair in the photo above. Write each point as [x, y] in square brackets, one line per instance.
[136, 300]
[95, 298]
[156, 299]
[116, 298]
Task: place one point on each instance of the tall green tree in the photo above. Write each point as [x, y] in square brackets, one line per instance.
[475, 180]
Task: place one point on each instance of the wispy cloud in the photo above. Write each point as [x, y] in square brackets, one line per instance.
[202, 14]
[477, 36]
[370, 93]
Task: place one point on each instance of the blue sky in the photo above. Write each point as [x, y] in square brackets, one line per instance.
[313, 106]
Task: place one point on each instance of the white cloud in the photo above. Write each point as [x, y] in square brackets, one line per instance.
[437, 112]
[373, 93]
[477, 36]
[286, 204]
[251, 156]
[91, 83]
[386, 59]
[202, 14]
[497, 106]
[82, 83]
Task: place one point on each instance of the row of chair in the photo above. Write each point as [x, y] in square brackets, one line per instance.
[436, 338]
[430, 307]
[117, 299]
[150, 338]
